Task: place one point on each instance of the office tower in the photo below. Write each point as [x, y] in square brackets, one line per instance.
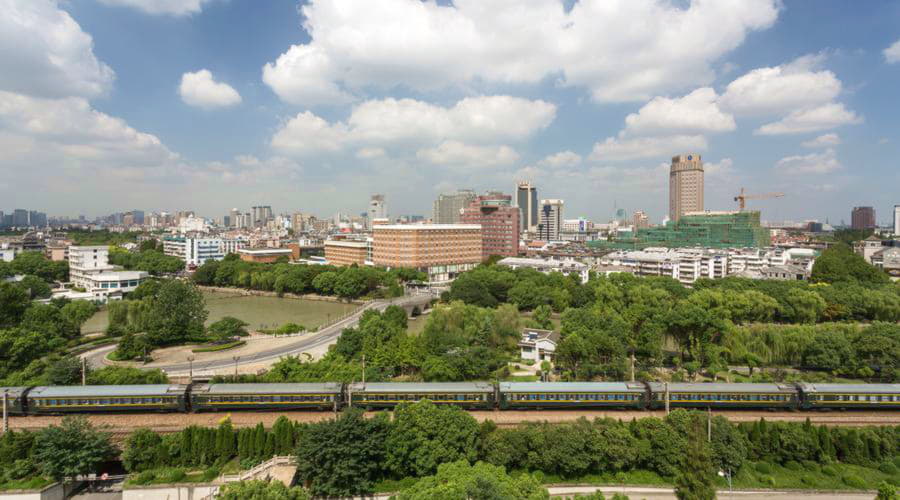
[235, 217]
[37, 219]
[138, 217]
[499, 222]
[447, 207]
[551, 220]
[897, 220]
[640, 220]
[2, 219]
[377, 208]
[862, 218]
[20, 217]
[685, 186]
[527, 201]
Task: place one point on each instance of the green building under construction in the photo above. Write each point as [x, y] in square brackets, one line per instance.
[706, 229]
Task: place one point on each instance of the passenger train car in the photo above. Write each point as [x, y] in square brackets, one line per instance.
[49, 400]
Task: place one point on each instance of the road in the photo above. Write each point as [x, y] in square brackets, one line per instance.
[323, 337]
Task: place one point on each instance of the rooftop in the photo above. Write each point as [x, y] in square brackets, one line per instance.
[106, 390]
[427, 227]
[264, 251]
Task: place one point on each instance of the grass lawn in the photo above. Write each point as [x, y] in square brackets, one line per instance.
[32, 483]
[220, 347]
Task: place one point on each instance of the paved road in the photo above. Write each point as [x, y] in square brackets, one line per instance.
[325, 336]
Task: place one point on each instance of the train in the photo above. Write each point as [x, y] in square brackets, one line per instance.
[334, 396]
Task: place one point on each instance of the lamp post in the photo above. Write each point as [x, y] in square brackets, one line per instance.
[727, 474]
[190, 369]
[235, 358]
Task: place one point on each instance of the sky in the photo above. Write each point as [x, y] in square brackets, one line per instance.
[206, 105]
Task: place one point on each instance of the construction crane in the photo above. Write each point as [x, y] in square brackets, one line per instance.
[742, 198]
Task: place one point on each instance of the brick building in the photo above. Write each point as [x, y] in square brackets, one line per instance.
[347, 252]
[499, 222]
[441, 250]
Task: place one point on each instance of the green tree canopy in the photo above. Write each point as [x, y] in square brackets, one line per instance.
[462, 481]
[261, 490]
[425, 435]
[72, 448]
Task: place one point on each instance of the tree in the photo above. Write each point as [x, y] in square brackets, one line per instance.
[694, 480]
[839, 263]
[78, 311]
[65, 371]
[13, 302]
[425, 435]
[72, 448]
[177, 314]
[541, 317]
[38, 288]
[261, 490]
[227, 328]
[342, 457]
[462, 481]
[126, 375]
[141, 450]
[886, 491]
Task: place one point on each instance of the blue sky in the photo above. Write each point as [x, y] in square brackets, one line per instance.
[108, 105]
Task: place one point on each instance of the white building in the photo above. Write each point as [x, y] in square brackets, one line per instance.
[89, 269]
[549, 266]
[191, 224]
[538, 345]
[7, 254]
[897, 220]
[193, 251]
[231, 245]
[551, 220]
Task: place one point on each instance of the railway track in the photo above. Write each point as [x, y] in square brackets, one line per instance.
[165, 423]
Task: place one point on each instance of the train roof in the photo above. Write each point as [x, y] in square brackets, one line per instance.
[722, 387]
[572, 387]
[90, 391]
[12, 392]
[855, 388]
[277, 388]
[418, 387]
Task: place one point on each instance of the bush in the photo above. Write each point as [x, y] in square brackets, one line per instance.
[220, 347]
[810, 465]
[829, 471]
[764, 468]
[768, 481]
[888, 468]
[808, 479]
[794, 466]
[854, 481]
[897, 461]
[210, 474]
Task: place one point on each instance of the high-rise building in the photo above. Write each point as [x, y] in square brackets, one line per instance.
[897, 220]
[527, 201]
[377, 208]
[685, 185]
[138, 217]
[20, 217]
[640, 220]
[37, 219]
[862, 218]
[447, 207]
[551, 220]
[499, 222]
[261, 215]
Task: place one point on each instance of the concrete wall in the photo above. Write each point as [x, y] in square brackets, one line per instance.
[169, 492]
[55, 491]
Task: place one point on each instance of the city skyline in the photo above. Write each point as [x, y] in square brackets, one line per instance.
[209, 105]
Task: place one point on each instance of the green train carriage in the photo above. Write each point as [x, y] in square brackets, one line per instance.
[722, 395]
[469, 395]
[521, 395]
[273, 396]
[57, 400]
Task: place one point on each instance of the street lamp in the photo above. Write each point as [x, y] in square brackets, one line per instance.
[235, 358]
[190, 369]
[727, 474]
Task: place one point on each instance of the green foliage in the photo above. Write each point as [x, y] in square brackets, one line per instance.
[342, 457]
[462, 481]
[124, 375]
[100, 237]
[840, 264]
[65, 371]
[77, 312]
[35, 286]
[261, 490]
[74, 447]
[696, 473]
[228, 327]
[425, 435]
[220, 347]
[142, 451]
[177, 314]
[886, 491]
[14, 300]
[153, 261]
[36, 264]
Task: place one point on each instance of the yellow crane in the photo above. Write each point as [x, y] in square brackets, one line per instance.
[742, 198]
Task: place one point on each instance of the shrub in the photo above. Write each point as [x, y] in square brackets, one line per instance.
[888, 468]
[810, 465]
[764, 468]
[897, 461]
[808, 479]
[210, 474]
[829, 471]
[794, 466]
[768, 481]
[854, 481]
[145, 477]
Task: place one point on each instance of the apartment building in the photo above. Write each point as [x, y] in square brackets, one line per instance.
[441, 250]
[193, 251]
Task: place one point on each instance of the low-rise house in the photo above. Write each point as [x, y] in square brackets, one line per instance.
[538, 345]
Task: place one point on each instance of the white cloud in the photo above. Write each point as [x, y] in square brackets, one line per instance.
[824, 117]
[823, 141]
[386, 122]
[813, 163]
[695, 112]
[70, 130]
[44, 53]
[426, 46]
[370, 153]
[621, 149]
[161, 7]
[766, 91]
[563, 159]
[892, 53]
[466, 155]
[201, 90]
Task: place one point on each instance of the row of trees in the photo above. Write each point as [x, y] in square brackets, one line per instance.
[345, 282]
[149, 257]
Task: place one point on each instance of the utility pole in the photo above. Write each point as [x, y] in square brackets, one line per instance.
[632, 366]
[83, 371]
[667, 398]
[5, 416]
[364, 369]
[190, 369]
[235, 358]
[709, 424]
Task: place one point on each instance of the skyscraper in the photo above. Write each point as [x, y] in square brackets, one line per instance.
[862, 218]
[138, 216]
[551, 220]
[527, 201]
[377, 208]
[499, 222]
[20, 217]
[447, 207]
[685, 185]
[897, 220]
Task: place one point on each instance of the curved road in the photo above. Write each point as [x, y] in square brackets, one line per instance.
[325, 336]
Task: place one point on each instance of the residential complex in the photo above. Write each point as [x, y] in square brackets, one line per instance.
[499, 222]
[685, 185]
[862, 218]
[447, 208]
[441, 250]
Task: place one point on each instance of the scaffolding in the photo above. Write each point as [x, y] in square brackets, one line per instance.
[706, 229]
